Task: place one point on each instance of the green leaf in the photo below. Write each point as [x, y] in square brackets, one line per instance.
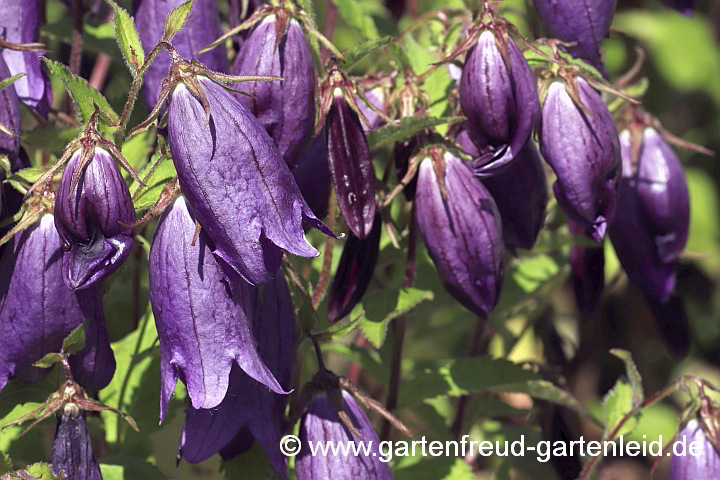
[633, 374]
[176, 20]
[381, 306]
[51, 136]
[9, 81]
[74, 342]
[128, 38]
[5, 463]
[49, 360]
[406, 128]
[356, 53]
[28, 175]
[149, 195]
[83, 95]
[355, 14]
[617, 403]
[37, 471]
[123, 467]
[252, 464]
[545, 390]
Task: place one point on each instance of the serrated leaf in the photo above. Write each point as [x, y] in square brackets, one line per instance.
[176, 20]
[83, 95]
[638, 394]
[49, 360]
[74, 342]
[358, 52]
[252, 464]
[9, 81]
[616, 404]
[149, 195]
[407, 128]
[123, 467]
[354, 14]
[381, 306]
[128, 38]
[28, 175]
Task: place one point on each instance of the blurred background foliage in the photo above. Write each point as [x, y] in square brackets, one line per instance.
[536, 321]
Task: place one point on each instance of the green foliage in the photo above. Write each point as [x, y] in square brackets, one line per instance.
[382, 306]
[356, 13]
[406, 128]
[127, 468]
[176, 20]
[128, 38]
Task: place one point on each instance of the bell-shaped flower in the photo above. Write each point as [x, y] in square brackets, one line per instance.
[311, 171]
[236, 183]
[704, 464]
[72, 453]
[203, 316]
[92, 219]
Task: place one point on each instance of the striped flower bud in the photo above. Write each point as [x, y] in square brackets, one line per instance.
[72, 454]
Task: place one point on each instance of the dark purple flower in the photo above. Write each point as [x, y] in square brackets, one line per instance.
[249, 411]
[37, 309]
[587, 272]
[520, 192]
[354, 272]
[94, 366]
[20, 23]
[501, 103]
[312, 175]
[10, 119]
[584, 152]
[463, 233]
[403, 153]
[689, 467]
[72, 453]
[92, 220]
[672, 322]
[286, 109]
[585, 22]
[351, 166]
[203, 317]
[321, 424]
[237, 184]
[651, 229]
[201, 28]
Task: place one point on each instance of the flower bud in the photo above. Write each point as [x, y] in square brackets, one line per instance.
[520, 192]
[37, 309]
[704, 465]
[585, 22]
[351, 167]
[321, 424]
[236, 183]
[355, 271]
[587, 272]
[201, 28]
[285, 108]
[377, 98]
[203, 317]
[249, 412]
[94, 365]
[312, 175]
[499, 100]
[10, 119]
[72, 453]
[20, 22]
[92, 219]
[463, 233]
[584, 152]
[651, 229]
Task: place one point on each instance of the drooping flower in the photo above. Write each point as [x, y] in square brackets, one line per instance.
[706, 465]
[72, 454]
[584, 152]
[250, 412]
[585, 22]
[520, 192]
[285, 108]
[351, 166]
[321, 424]
[463, 233]
[354, 272]
[9, 118]
[37, 309]
[201, 28]
[672, 322]
[203, 316]
[311, 171]
[651, 229]
[94, 365]
[236, 183]
[499, 100]
[92, 220]
[20, 22]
